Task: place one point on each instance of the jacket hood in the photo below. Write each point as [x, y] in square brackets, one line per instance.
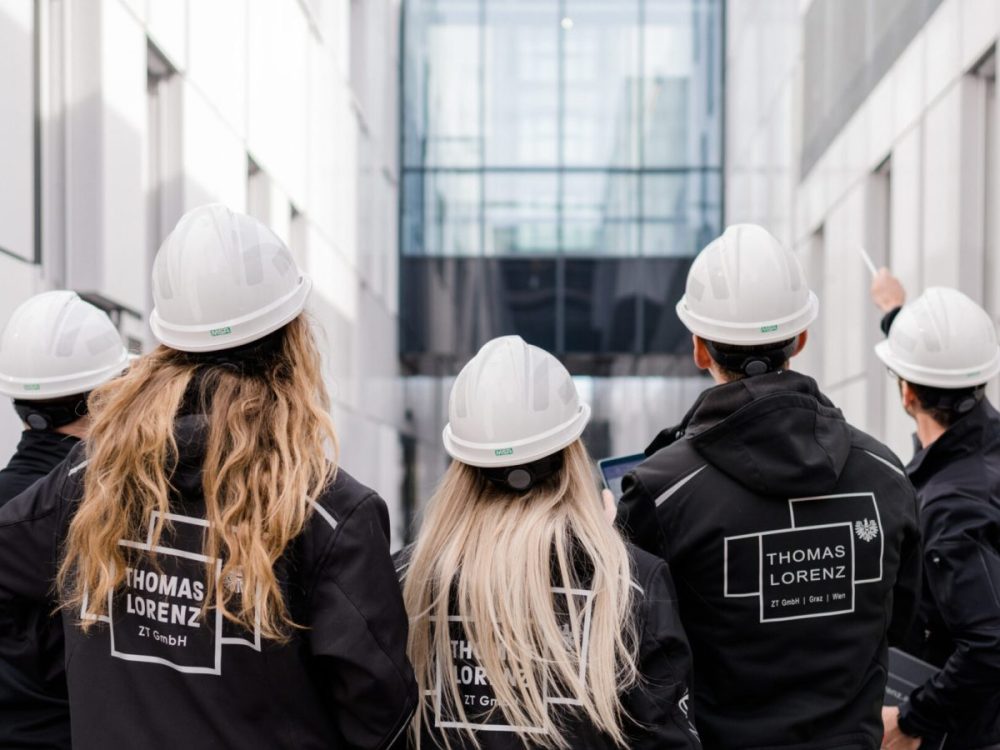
[775, 434]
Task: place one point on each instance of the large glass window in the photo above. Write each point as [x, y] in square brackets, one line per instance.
[561, 127]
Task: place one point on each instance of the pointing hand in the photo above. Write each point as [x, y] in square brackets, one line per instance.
[887, 293]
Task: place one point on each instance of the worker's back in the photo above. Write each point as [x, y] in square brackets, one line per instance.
[793, 541]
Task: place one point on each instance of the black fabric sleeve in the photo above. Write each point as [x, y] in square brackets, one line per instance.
[31, 529]
[907, 590]
[887, 320]
[660, 705]
[358, 630]
[963, 574]
[637, 517]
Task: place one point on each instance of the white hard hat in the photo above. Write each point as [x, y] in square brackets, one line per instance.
[746, 288]
[56, 345]
[512, 404]
[222, 279]
[942, 339]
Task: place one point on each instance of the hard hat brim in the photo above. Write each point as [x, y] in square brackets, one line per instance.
[43, 389]
[490, 455]
[228, 334]
[754, 333]
[937, 378]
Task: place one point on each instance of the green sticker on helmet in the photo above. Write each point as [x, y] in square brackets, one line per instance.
[768, 329]
[504, 452]
[221, 331]
[32, 387]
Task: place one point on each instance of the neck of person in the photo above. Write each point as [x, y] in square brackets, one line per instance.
[77, 429]
[928, 429]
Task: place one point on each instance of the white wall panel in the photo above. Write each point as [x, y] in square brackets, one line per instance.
[167, 24]
[980, 25]
[217, 50]
[324, 140]
[906, 197]
[942, 191]
[942, 49]
[17, 206]
[277, 84]
[124, 114]
[215, 160]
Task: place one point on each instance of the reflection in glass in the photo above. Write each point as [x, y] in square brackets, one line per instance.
[442, 214]
[681, 212]
[562, 163]
[521, 83]
[600, 83]
[521, 213]
[600, 213]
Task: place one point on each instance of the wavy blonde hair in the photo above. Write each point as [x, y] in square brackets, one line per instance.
[265, 462]
[493, 557]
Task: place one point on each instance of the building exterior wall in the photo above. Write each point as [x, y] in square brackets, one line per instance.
[141, 109]
[910, 174]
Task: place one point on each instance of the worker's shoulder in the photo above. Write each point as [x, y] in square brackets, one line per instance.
[670, 464]
[342, 497]
[875, 456]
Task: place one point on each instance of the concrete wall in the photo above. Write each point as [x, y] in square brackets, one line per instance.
[910, 176]
[146, 108]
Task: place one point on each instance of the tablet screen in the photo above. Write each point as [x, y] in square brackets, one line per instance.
[613, 469]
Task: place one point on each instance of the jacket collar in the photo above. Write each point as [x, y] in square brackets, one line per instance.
[964, 438]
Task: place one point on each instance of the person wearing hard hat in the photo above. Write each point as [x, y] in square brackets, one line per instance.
[791, 535]
[533, 623]
[222, 583]
[942, 348]
[54, 350]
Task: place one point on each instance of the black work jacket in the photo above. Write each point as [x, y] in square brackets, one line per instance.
[793, 540]
[958, 483]
[38, 452]
[658, 707]
[156, 673]
[34, 709]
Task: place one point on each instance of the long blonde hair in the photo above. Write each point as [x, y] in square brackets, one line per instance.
[265, 462]
[493, 557]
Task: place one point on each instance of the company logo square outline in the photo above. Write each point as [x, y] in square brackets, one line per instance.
[878, 520]
[762, 534]
[220, 639]
[550, 700]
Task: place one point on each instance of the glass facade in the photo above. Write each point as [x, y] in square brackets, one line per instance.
[562, 162]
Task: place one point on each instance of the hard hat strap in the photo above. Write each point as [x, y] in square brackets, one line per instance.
[523, 477]
[40, 415]
[752, 361]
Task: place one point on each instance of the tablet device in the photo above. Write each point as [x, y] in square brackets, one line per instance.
[614, 468]
[906, 674]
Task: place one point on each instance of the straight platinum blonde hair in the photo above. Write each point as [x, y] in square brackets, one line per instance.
[493, 557]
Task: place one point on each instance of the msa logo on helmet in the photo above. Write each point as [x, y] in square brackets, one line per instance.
[768, 329]
[32, 387]
[221, 331]
[504, 452]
